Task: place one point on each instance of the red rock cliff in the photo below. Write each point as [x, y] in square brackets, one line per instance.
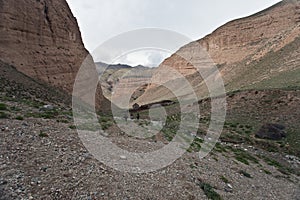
[235, 46]
[41, 39]
[248, 38]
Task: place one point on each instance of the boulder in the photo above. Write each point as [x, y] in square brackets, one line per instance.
[271, 131]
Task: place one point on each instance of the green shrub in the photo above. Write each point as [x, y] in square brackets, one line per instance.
[62, 121]
[196, 145]
[168, 134]
[42, 134]
[106, 122]
[19, 118]
[244, 156]
[14, 108]
[32, 103]
[46, 115]
[233, 126]
[219, 148]
[72, 127]
[224, 179]
[242, 159]
[3, 115]
[103, 120]
[281, 168]
[267, 172]
[272, 162]
[209, 191]
[49, 114]
[248, 127]
[3, 106]
[106, 125]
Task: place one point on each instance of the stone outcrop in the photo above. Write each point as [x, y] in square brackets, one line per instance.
[272, 132]
[247, 38]
[128, 85]
[122, 84]
[41, 39]
[241, 49]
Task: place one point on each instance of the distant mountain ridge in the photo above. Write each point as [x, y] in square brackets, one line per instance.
[101, 66]
[122, 79]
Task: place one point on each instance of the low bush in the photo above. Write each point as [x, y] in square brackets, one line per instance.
[209, 191]
[3, 115]
[19, 118]
[3, 106]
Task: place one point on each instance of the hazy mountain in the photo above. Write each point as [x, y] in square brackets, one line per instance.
[121, 79]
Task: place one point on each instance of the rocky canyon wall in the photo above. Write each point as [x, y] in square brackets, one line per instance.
[41, 39]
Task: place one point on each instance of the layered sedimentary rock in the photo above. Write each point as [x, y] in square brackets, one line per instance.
[122, 84]
[41, 39]
[251, 37]
[240, 48]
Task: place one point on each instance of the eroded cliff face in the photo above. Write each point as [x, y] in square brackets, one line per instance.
[256, 35]
[247, 38]
[122, 84]
[237, 48]
[41, 39]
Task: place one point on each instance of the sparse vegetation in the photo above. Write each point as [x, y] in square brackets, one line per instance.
[62, 121]
[280, 167]
[233, 125]
[89, 126]
[72, 127]
[169, 134]
[209, 191]
[196, 145]
[106, 125]
[19, 117]
[3, 106]
[171, 127]
[244, 156]
[105, 121]
[219, 148]
[32, 103]
[224, 179]
[49, 114]
[246, 174]
[267, 145]
[43, 134]
[16, 109]
[3, 115]
[143, 123]
[242, 159]
[267, 172]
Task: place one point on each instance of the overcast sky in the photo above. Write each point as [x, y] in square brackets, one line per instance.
[100, 20]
